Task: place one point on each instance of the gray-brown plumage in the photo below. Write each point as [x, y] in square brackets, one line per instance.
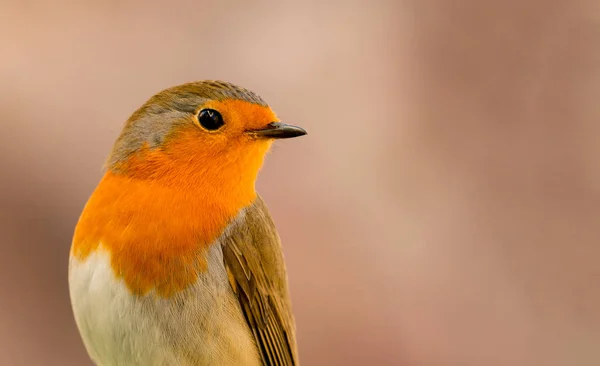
[255, 265]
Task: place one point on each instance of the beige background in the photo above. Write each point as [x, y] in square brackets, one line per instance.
[443, 209]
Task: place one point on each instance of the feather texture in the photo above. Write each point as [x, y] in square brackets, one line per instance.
[256, 271]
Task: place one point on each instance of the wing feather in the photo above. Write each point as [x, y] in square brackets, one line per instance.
[255, 265]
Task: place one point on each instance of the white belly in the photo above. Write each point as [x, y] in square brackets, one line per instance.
[202, 325]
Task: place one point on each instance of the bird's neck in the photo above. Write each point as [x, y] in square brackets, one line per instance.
[157, 214]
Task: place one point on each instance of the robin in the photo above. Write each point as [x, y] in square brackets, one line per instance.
[175, 259]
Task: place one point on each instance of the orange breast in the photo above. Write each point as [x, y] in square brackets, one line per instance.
[150, 233]
[157, 230]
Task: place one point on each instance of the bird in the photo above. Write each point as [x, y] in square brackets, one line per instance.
[175, 258]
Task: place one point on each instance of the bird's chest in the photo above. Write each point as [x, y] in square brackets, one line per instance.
[202, 325]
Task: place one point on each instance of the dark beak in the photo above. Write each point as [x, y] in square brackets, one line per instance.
[278, 130]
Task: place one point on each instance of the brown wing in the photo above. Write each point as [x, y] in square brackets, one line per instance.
[255, 265]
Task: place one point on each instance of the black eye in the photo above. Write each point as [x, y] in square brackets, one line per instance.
[210, 119]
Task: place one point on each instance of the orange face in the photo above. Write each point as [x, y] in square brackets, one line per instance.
[239, 116]
[191, 153]
[232, 138]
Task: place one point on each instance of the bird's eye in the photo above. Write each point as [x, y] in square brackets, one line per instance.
[210, 119]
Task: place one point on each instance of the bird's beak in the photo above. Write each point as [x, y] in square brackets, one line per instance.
[277, 130]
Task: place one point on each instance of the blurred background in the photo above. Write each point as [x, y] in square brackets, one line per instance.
[443, 209]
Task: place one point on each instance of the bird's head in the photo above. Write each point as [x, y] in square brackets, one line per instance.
[209, 133]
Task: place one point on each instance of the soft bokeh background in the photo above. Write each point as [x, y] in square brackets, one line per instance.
[443, 210]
